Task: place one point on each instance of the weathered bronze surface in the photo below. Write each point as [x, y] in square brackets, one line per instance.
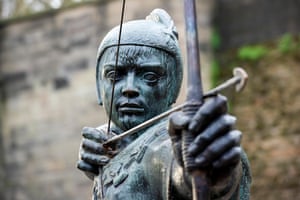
[149, 164]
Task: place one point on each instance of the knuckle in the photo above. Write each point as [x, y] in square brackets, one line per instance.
[100, 132]
[100, 135]
[84, 143]
[178, 120]
[83, 156]
[80, 165]
[210, 151]
[86, 129]
[173, 116]
[235, 136]
[228, 120]
[237, 151]
[222, 103]
[222, 99]
[202, 139]
[81, 152]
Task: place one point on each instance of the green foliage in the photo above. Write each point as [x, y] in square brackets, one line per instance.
[215, 72]
[215, 39]
[252, 52]
[286, 43]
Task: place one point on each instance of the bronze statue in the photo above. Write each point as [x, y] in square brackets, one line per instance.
[149, 164]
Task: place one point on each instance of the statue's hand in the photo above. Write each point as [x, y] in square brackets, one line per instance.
[216, 144]
[92, 154]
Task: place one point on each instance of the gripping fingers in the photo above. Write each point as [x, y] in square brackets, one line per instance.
[94, 134]
[218, 148]
[209, 111]
[218, 128]
[94, 159]
[83, 166]
[91, 146]
[232, 157]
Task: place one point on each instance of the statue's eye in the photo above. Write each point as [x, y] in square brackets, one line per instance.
[113, 75]
[151, 77]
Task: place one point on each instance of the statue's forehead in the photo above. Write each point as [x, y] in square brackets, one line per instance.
[133, 53]
[133, 50]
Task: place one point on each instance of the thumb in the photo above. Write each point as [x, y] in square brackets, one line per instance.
[177, 122]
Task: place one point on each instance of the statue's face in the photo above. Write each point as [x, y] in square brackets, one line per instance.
[141, 84]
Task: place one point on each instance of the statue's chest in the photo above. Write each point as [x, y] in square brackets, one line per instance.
[125, 176]
[121, 181]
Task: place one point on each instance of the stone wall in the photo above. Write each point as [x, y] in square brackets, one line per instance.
[47, 70]
[250, 21]
[47, 80]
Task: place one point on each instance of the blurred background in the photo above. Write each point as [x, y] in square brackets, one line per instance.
[47, 87]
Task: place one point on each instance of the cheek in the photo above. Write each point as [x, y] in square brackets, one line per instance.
[160, 92]
[105, 93]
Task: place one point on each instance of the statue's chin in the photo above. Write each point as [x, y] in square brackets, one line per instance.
[127, 122]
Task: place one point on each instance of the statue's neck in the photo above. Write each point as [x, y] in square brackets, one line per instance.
[122, 143]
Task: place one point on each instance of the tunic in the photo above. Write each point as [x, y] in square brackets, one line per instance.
[146, 170]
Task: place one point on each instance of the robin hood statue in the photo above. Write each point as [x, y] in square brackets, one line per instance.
[148, 165]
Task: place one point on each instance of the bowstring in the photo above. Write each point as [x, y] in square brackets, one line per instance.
[115, 67]
[100, 185]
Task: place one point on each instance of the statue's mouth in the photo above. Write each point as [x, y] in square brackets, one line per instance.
[131, 108]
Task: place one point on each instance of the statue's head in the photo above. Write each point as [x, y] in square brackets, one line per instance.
[148, 75]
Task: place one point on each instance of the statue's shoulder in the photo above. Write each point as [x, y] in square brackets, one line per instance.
[158, 142]
[159, 131]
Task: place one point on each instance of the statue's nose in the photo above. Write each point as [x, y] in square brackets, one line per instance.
[130, 88]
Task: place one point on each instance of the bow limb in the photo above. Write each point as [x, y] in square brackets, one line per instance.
[194, 92]
[200, 180]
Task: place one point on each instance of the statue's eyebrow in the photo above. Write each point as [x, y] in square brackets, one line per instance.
[146, 65]
[151, 64]
[112, 64]
[109, 64]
